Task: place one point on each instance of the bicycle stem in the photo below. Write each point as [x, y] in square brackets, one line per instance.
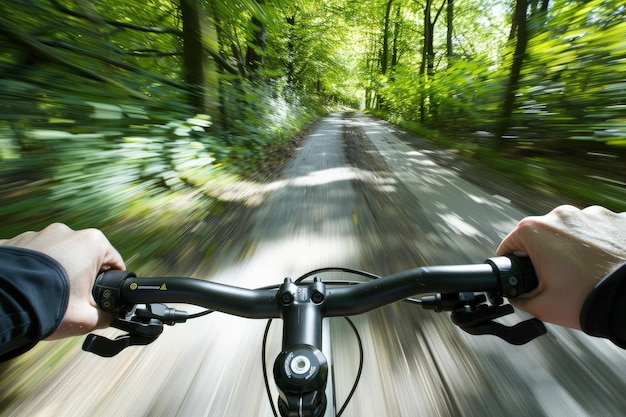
[301, 369]
[302, 312]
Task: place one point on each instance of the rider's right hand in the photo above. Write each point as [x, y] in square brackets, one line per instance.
[571, 251]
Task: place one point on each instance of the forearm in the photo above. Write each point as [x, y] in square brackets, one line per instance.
[34, 292]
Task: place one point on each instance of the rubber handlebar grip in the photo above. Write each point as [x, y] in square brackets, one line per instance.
[527, 273]
[107, 288]
[516, 275]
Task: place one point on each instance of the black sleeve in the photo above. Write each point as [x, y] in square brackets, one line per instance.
[604, 311]
[34, 292]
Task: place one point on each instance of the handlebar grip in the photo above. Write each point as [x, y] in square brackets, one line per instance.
[107, 289]
[527, 272]
[516, 275]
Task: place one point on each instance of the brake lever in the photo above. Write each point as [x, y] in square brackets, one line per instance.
[144, 326]
[107, 348]
[139, 334]
[472, 314]
[479, 322]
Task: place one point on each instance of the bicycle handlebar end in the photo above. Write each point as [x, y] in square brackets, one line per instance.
[107, 288]
[516, 275]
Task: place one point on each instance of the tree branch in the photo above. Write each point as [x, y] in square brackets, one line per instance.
[439, 11]
[151, 53]
[40, 49]
[221, 61]
[109, 61]
[125, 25]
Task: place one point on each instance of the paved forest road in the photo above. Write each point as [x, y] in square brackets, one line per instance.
[354, 195]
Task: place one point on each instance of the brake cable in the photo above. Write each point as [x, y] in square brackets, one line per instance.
[357, 378]
[309, 274]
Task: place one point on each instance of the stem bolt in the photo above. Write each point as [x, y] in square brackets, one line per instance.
[300, 365]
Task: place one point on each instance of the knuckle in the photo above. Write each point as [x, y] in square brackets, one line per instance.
[598, 210]
[565, 210]
[92, 235]
[57, 228]
[531, 222]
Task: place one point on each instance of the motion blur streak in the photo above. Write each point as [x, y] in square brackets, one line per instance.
[357, 196]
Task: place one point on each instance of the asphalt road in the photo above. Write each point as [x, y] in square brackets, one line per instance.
[354, 195]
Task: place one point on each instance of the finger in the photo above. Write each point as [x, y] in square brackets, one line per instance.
[520, 238]
[107, 255]
[567, 217]
[43, 239]
[104, 319]
[52, 234]
[23, 239]
[113, 259]
[520, 303]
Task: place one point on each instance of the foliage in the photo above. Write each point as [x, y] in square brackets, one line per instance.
[97, 129]
[575, 83]
[572, 77]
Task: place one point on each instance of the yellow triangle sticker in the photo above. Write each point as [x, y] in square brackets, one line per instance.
[163, 287]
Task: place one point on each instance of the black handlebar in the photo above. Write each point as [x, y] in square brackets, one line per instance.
[504, 276]
[116, 290]
[300, 371]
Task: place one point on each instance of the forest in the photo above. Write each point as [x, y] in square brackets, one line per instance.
[123, 115]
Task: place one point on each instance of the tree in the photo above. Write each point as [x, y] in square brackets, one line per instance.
[520, 27]
[194, 68]
[427, 66]
[384, 61]
[255, 55]
[449, 29]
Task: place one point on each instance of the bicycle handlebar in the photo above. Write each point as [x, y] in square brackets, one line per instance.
[504, 276]
[300, 371]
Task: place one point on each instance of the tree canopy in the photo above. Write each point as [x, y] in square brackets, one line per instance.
[496, 64]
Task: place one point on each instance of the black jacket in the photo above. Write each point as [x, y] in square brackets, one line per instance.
[604, 311]
[34, 292]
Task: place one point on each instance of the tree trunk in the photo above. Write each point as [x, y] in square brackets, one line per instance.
[521, 23]
[193, 55]
[424, 62]
[396, 36]
[255, 55]
[384, 60]
[427, 66]
[449, 30]
[513, 30]
[290, 63]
